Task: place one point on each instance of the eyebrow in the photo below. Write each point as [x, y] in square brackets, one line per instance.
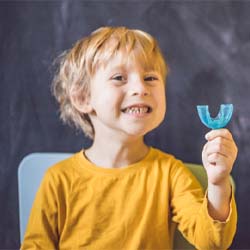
[146, 69]
[118, 67]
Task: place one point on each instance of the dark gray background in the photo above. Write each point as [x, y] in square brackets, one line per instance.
[207, 46]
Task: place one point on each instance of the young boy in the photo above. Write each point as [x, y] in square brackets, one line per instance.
[121, 193]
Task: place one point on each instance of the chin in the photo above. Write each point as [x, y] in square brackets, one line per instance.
[139, 132]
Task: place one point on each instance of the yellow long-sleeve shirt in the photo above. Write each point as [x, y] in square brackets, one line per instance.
[83, 206]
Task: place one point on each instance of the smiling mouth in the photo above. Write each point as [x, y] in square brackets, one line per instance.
[137, 110]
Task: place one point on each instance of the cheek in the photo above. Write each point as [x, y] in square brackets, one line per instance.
[161, 102]
[161, 97]
[107, 99]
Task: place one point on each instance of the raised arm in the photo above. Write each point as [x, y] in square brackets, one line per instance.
[218, 156]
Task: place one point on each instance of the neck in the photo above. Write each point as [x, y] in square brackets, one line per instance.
[115, 153]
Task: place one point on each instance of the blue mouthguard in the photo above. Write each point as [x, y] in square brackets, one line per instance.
[220, 121]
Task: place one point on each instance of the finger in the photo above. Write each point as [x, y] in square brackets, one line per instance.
[227, 153]
[218, 159]
[218, 149]
[220, 144]
[219, 133]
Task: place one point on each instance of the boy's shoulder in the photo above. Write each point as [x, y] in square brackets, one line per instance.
[160, 155]
[166, 160]
[172, 165]
[66, 167]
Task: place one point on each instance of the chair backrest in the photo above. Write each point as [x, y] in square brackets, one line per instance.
[31, 171]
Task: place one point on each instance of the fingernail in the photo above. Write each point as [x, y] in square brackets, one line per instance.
[207, 136]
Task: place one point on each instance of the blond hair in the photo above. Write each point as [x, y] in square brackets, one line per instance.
[77, 66]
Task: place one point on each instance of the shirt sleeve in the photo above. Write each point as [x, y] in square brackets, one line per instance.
[41, 231]
[189, 208]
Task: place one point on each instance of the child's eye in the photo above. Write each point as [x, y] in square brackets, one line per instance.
[119, 78]
[151, 78]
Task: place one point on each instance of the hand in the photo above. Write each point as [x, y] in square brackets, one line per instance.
[218, 155]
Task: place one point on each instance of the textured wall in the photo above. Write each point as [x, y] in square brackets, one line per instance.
[207, 45]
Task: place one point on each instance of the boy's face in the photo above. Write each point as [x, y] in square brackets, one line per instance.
[126, 99]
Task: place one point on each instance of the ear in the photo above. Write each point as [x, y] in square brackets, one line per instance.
[81, 102]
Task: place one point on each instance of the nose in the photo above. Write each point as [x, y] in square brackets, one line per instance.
[139, 87]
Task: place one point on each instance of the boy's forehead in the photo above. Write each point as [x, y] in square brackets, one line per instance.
[127, 61]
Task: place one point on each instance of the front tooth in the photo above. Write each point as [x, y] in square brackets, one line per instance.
[137, 110]
[143, 110]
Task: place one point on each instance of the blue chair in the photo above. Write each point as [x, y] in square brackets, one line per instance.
[30, 173]
[32, 169]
